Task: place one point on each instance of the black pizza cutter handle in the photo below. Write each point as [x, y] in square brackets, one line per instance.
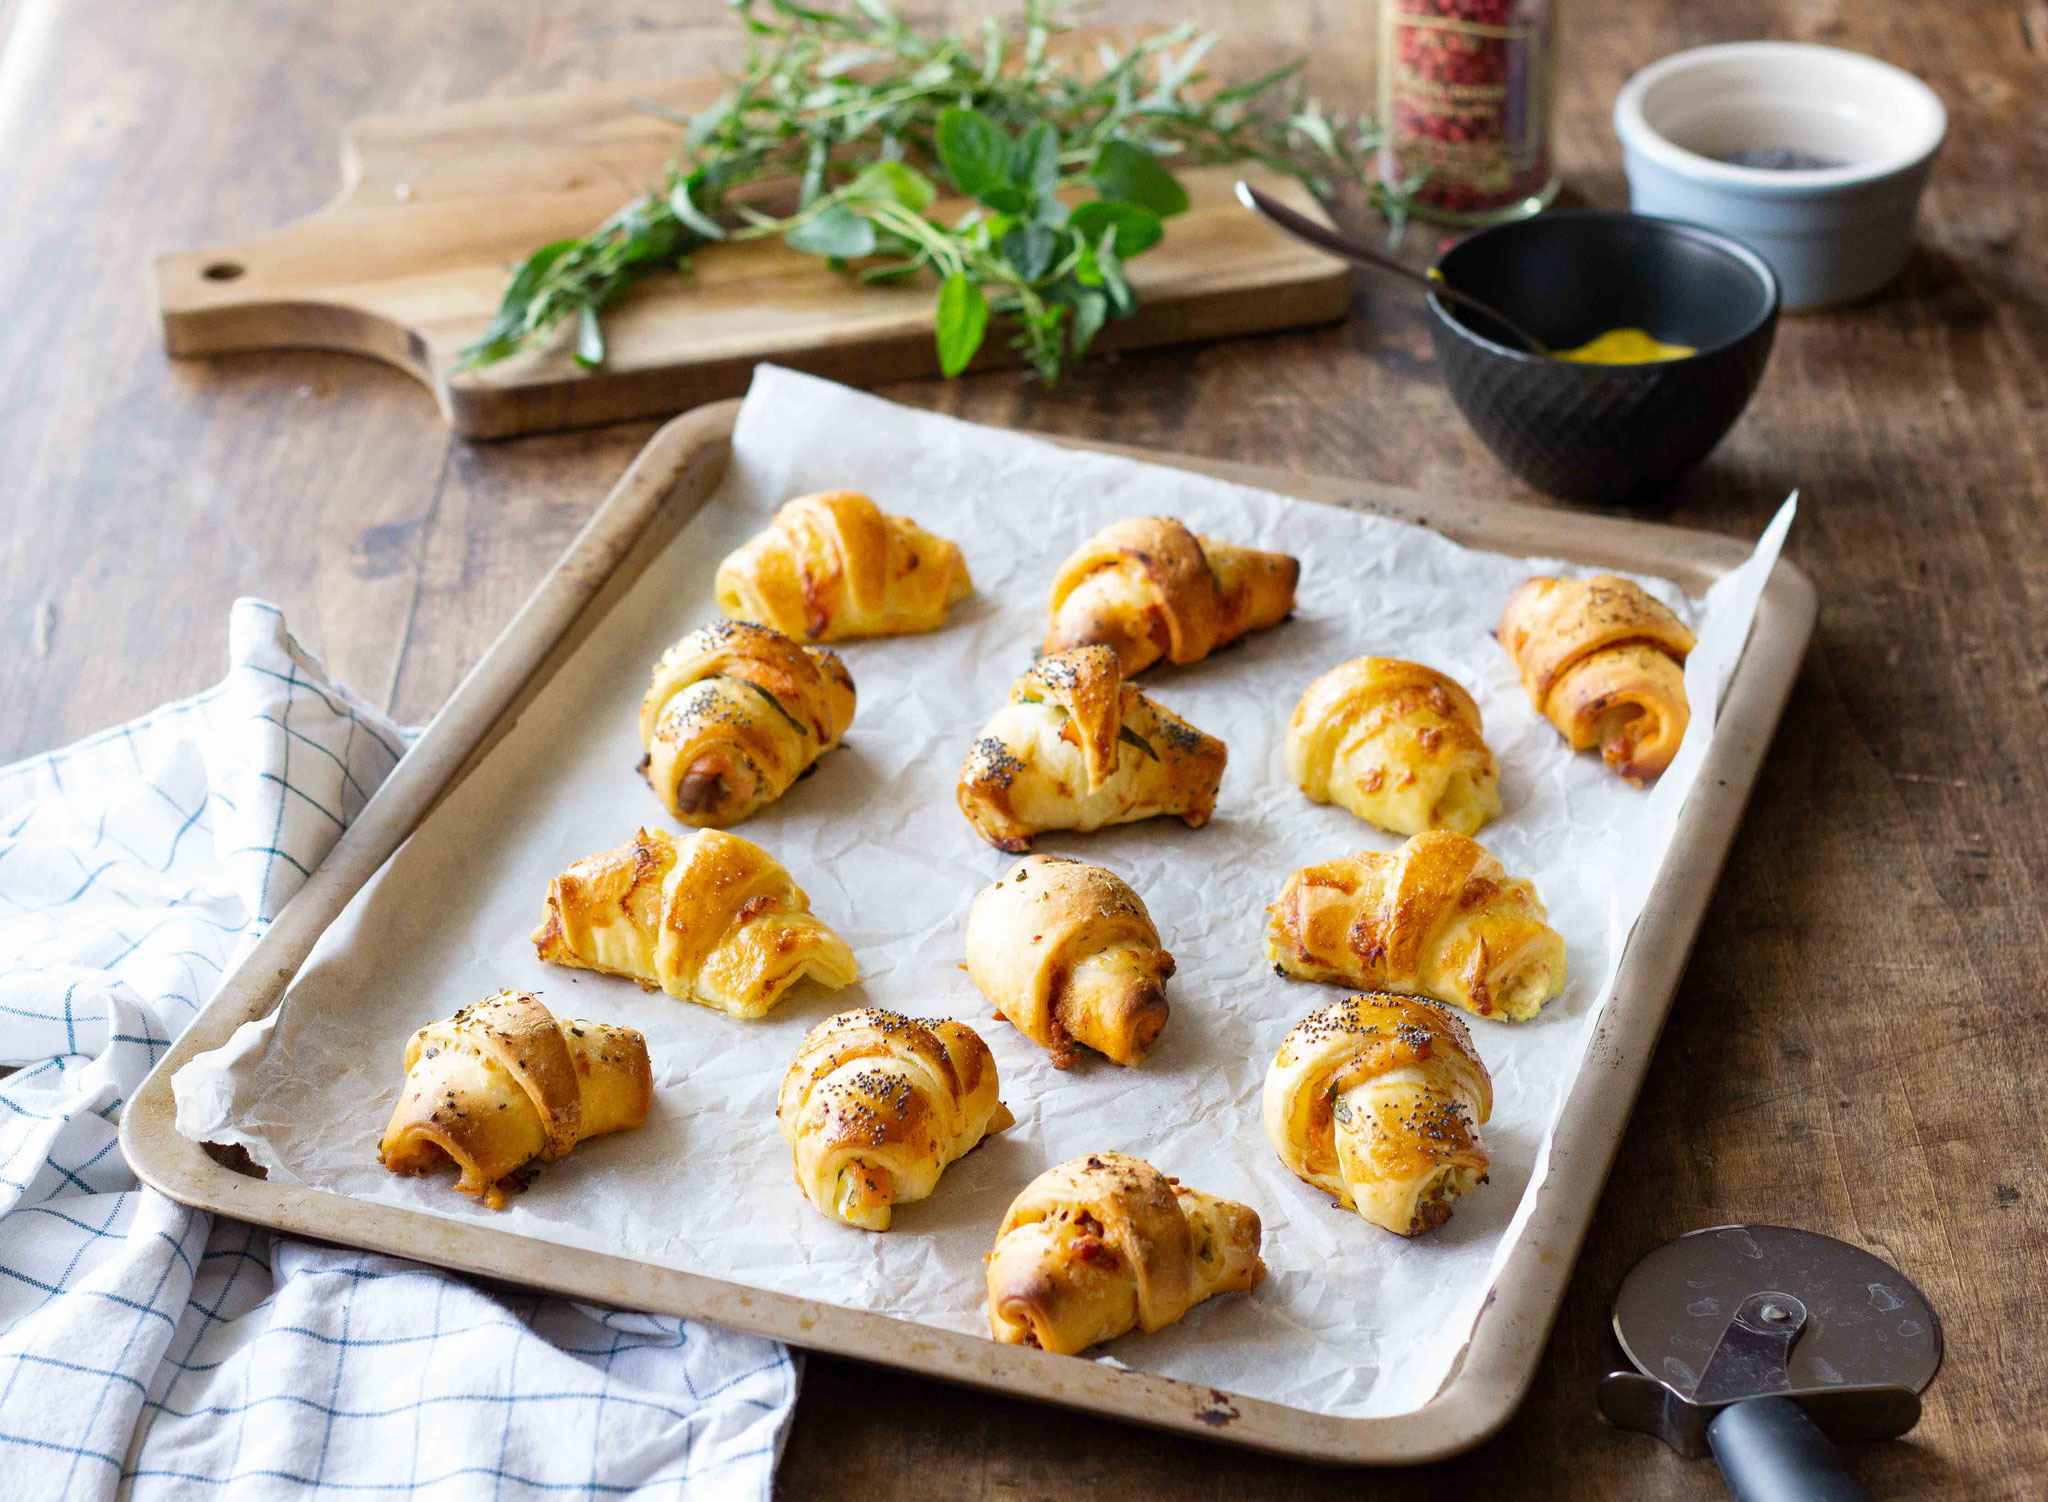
[1770, 1451]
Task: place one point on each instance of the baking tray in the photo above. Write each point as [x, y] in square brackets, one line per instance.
[667, 484]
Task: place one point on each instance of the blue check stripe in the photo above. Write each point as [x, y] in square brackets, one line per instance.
[145, 1349]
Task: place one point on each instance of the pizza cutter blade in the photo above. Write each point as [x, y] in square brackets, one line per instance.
[1765, 1345]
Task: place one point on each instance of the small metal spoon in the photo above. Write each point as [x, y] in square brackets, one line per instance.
[1304, 228]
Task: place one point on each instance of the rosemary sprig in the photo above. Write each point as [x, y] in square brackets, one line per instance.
[1067, 167]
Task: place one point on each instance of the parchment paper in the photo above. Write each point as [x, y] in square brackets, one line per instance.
[1351, 1320]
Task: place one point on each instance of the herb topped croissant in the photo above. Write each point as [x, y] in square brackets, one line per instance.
[1378, 1100]
[710, 918]
[1148, 588]
[1068, 954]
[1439, 917]
[1397, 744]
[1604, 661]
[835, 565]
[1078, 748]
[1107, 1243]
[735, 714]
[504, 1086]
[875, 1105]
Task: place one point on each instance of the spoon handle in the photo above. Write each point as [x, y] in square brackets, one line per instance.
[1304, 228]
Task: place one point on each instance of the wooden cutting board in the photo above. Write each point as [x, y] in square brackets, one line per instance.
[408, 262]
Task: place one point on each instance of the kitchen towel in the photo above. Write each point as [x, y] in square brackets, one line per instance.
[147, 1350]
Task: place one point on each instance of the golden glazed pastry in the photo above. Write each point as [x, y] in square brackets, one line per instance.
[1146, 588]
[1439, 917]
[1108, 1243]
[1603, 661]
[504, 1086]
[835, 565]
[709, 918]
[1068, 954]
[1078, 748]
[1378, 1099]
[1397, 744]
[736, 713]
[874, 1107]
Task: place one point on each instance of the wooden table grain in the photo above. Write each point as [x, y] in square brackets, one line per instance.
[1854, 1048]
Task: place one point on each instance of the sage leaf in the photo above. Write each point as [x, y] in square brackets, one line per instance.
[976, 155]
[962, 320]
[893, 182]
[1137, 230]
[834, 231]
[1090, 309]
[1130, 174]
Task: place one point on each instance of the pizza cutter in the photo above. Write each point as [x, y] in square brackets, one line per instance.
[1765, 1346]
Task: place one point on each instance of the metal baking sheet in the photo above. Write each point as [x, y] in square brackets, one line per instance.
[642, 515]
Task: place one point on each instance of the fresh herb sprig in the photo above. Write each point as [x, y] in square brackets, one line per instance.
[1068, 167]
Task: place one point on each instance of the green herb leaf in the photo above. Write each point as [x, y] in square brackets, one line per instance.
[1121, 298]
[589, 340]
[1131, 174]
[1031, 248]
[976, 155]
[894, 182]
[780, 708]
[962, 321]
[1035, 161]
[835, 231]
[1090, 309]
[1137, 230]
[685, 209]
[1131, 737]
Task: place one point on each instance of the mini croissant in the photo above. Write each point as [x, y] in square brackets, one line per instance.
[1395, 743]
[1378, 1100]
[736, 713]
[710, 918]
[1078, 748]
[1108, 1243]
[1439, 917]
[874, 1107]
[835, 565]
[1068, 954]
[1604, 661]
[1146, 588]
[504, 1085]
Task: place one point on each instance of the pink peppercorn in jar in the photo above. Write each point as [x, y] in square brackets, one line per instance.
[1465, 105]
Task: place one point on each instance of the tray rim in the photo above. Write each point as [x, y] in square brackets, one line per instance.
[670, 479]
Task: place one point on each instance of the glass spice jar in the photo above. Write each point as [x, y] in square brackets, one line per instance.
[1466, 89]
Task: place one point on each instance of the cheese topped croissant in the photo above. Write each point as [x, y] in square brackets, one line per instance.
[1108, 1243]
[1604, 661]
[836, 565]
[1078, 748]
[1395, 743]
[736, 713]
[710, 918]
[1378, 1099]
[1439, 917]
[504, 1086]
[875, 1105]
[1068, 954]
[1148, 588]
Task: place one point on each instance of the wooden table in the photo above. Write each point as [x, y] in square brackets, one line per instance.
[1854, 1046]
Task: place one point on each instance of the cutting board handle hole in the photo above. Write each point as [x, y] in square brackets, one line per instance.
[223, 271]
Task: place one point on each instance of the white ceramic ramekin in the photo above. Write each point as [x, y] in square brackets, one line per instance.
[1832, 234]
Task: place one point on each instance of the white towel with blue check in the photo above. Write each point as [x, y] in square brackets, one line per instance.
[148, 1351]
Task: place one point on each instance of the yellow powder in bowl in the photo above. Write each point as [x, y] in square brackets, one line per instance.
[1625, 347]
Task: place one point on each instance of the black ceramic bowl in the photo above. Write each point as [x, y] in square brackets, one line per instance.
[1609, 433]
